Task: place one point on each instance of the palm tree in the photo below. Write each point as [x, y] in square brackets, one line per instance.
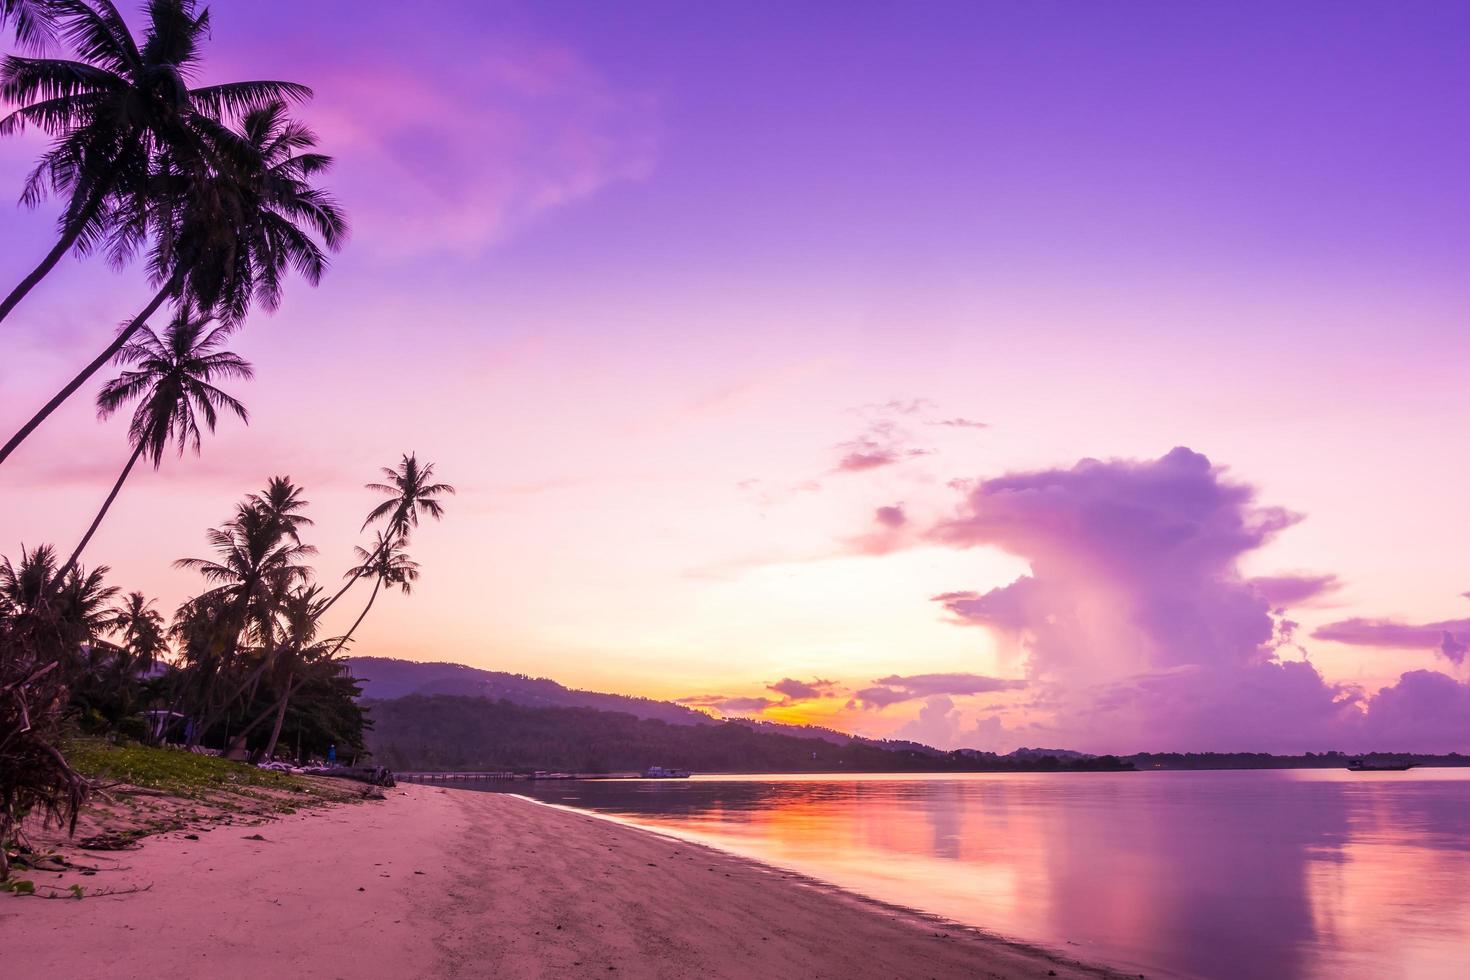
[31, 20]
[300, 614]
[172, 384]
[255, 564]
[72, 603]
[112, 111]
[81, 602]
[223, 235]
[282, 500]
[390, 565]
[141, 630]
[410, 494]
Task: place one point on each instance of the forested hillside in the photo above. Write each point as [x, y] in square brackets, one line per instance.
[462, 733]
[383, 678]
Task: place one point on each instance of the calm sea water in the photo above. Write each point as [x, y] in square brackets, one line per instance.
[1208, 874]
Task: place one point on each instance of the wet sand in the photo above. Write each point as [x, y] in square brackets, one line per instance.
[457, 883]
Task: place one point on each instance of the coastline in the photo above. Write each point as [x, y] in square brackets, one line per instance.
[444, 882]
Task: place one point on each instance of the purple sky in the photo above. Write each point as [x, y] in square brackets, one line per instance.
[681, 296]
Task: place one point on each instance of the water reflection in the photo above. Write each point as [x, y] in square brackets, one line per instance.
[1217, 874]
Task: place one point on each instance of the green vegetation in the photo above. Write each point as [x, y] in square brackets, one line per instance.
[459, 733]
[186, 774]
[215, 189]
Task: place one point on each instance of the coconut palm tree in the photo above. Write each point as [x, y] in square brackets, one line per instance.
[140, 627]
[282, 500]
[300, 615]
[172, 383]
[110, 111]
[72, 603]
[390, 566]
[255, 564]
[31, 20]
[223, 236]
[410, 494]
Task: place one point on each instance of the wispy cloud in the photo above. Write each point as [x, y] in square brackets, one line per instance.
[1448, 637]
[471, 157]
[895, 688]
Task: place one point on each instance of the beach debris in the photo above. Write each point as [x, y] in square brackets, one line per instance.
[253, 837]
[123, 841]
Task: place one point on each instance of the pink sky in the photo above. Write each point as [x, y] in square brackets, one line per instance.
[681, 297]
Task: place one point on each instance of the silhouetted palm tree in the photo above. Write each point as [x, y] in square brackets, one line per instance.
[111, 111]
[31, 20]
[72, 603]
[140, 627]
[282, 500]
[224, 235]
[23, 586]
[255, 564]
[171, 382]
[300, 615]
[390, 565]
[411, 494]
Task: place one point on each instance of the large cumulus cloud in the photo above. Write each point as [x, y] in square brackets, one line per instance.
[1137, 628]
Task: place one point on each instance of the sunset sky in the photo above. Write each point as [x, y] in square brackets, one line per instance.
[765, 342]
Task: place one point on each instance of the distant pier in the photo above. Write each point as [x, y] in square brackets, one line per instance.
[456, 777]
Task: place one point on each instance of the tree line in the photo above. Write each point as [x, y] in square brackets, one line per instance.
[213, 191]
[453, 733]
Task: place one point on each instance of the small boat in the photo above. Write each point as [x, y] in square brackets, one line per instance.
[1363, 765]
[659, 772]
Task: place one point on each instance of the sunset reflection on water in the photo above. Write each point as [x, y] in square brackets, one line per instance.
[1293, 873]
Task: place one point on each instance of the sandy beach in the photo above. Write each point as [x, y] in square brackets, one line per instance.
[458, 883]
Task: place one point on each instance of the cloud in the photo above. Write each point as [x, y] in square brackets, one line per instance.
[882, 443]
[790, 690]
[1287, 591]
[1136, 626]
[1426, 711]
[728, 705]
[794, 690]
[895, 688]
[891, 534]
[961, 423]
[891, 516]
[485, 148]
[1450, 637]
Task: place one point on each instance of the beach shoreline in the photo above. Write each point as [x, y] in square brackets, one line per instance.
[462, 883]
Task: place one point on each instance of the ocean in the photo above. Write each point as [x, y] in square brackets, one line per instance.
[1229, 874]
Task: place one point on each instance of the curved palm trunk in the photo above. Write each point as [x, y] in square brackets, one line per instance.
[355, 575]
[279, 707]
[47, 264]
[68, 239]
[97, 521]
[361, 616]
[270, 745]
[88, 371]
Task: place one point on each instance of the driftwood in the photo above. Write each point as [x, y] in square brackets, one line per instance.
[372, 775]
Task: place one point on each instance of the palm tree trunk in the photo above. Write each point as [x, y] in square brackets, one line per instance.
[343, 642]
[242, 734]
[89, 370]
[68, 239]
[270, 745]
[97, 521]
[355, 575]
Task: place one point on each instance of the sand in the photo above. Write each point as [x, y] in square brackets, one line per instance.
[458, 883]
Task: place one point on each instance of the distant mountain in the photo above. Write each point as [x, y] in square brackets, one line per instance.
[383, 678]
[442, 732]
